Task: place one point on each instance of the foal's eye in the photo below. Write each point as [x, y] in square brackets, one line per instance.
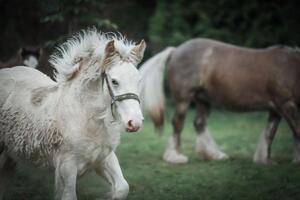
[115, 82]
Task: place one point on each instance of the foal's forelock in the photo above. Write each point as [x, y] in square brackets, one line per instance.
[94, 66]
[113, 55]
[91, 46]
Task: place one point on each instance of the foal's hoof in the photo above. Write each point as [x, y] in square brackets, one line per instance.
[172, 156]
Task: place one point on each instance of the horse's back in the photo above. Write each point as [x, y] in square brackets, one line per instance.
[191, 62]
[20, 80]
[239, 77]
[203, 51]
[189, 58]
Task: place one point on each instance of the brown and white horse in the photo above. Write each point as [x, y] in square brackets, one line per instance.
[208, 72]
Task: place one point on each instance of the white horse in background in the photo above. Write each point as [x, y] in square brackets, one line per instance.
[72, 125]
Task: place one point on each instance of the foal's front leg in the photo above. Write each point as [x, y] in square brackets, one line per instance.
[65, 179]
[111, 171]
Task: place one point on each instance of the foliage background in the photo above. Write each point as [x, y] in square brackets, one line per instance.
[254, 23]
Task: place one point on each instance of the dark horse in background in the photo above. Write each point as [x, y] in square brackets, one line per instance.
[28, 56]
[31, 56]
[208, 72]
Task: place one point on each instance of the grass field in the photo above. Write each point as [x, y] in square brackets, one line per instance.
[150, 178]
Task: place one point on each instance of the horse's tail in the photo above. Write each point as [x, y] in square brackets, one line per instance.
[152, 88]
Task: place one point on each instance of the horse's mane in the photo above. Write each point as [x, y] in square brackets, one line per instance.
[289, 49]
[85, 44]
[297, 49]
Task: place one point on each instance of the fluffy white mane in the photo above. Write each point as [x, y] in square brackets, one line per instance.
[88, 44]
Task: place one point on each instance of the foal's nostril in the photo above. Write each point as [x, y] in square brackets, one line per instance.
[130, 124]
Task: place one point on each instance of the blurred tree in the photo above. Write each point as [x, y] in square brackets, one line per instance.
[45, 23]
[253, 23]
[75, 15]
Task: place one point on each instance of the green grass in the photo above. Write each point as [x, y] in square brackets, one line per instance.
[150, 178]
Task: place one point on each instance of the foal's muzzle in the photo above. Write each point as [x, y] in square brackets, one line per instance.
[131, 127]
[120, 98]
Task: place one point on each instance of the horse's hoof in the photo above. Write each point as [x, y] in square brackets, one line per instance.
[296, 161]
[173, 157]
[207, 148]
[221, 156]
[216, 156]
[263, 161]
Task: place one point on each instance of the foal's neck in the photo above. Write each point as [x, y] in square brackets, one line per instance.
[91, 98]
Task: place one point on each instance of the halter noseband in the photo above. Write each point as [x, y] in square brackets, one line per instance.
[115, 98]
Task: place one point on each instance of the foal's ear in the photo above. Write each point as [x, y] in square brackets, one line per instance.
[138, 51]
[110, 47]
[109, 52]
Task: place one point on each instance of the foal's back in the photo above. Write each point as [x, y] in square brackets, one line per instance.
[26, 130]
[17, 82]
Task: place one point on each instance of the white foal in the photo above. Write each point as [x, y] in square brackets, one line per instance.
[73, 124]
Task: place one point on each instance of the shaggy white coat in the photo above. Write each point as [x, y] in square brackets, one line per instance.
[67, 124]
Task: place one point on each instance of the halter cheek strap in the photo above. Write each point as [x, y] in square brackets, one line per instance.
[115, 98]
